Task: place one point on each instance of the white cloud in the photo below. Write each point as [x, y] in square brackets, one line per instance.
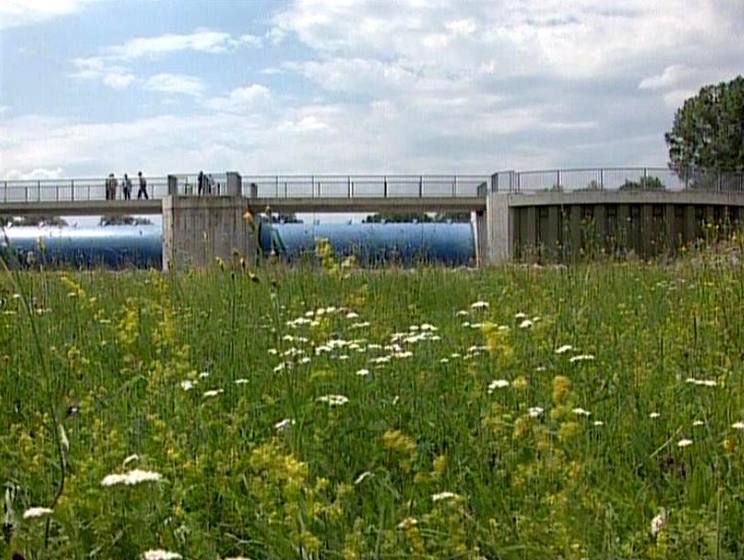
[680, 81]
[175, 84]
[37, 173]
[247, 99]
[250, 40]
[96, 68]
[118, 80]
[201, 40]
[670, 77]
[15, 13]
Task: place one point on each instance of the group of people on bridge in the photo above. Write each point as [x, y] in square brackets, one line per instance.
[126, 183]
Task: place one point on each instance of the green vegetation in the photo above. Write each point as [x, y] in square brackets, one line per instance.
[420, 217]
[708, 130]
[643, 184]
[585, 412]
[124, 221]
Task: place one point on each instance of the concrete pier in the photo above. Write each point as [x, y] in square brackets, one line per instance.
[198, 230]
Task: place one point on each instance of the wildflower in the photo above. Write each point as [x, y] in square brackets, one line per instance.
[362, 477]
[526, 324]
[698, 423]
[333, 400]
[408, 523]
[36, 512]
[362, 372]
[520, 383]
[187, 385]
[598, 423]
[581, 412]
[212, 393]
[160, 554]
[479, 305]
[284, 424]
[701, 382]
[241, 381]
[443, 360]
[581, 358]
[654, 415]
[659, 522]
[131, 478]
[204, 375]
[561, 388]
[461, 313]
[444, 496]
[352, 315]
[738, 425]
[563, 349]
[535, 411]
[520, 315]
[130, 459]
[684, 442]
[497, 384]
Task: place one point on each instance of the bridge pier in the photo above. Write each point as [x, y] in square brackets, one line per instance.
[199, 230]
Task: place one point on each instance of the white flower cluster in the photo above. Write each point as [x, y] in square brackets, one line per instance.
[131, 478]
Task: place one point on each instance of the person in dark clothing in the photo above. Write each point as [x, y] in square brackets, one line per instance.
[200, 183]
[127, 187]
[142, 187]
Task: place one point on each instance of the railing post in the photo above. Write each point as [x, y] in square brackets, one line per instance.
[38, 190]
[421, 186]
[72, 189]
[384, 187]
[5, 192]
[558, 179]
[601, 178]
[312, 185]
[454, 187]
[348, 186]
[719, 180]
[276, 179]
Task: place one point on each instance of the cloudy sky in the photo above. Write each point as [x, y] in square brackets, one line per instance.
[318, 86]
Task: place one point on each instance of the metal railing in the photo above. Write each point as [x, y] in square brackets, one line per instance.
[363, 186]
[385, 186]
[74, 190]
[618, 179]
[261, 186]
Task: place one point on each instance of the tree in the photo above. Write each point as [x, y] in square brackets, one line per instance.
[419, 217]
[708, 130]
[33, 220]
[123, 221]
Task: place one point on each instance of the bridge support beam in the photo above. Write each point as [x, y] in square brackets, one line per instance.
[495, 231]
[199, 230]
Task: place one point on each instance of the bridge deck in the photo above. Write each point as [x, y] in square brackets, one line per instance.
[330, 205]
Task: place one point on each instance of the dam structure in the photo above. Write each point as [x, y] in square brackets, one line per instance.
[552, 215]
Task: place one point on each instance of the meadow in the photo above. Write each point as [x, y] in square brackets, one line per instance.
[594, 411]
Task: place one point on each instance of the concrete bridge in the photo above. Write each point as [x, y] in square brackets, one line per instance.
[545, 215]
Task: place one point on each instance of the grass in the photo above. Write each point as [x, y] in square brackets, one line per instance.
[423, 461]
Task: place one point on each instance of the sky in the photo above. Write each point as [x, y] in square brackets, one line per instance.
[338, 86]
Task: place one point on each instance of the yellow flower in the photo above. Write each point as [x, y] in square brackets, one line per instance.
[561, 388]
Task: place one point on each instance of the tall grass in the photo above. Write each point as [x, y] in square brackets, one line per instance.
[427, 459]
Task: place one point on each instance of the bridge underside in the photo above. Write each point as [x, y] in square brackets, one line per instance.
[82, 208]
[371, 204]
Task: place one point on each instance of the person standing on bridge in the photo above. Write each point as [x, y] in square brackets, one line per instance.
[142, 187]
[200, 183]
[127, 186]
